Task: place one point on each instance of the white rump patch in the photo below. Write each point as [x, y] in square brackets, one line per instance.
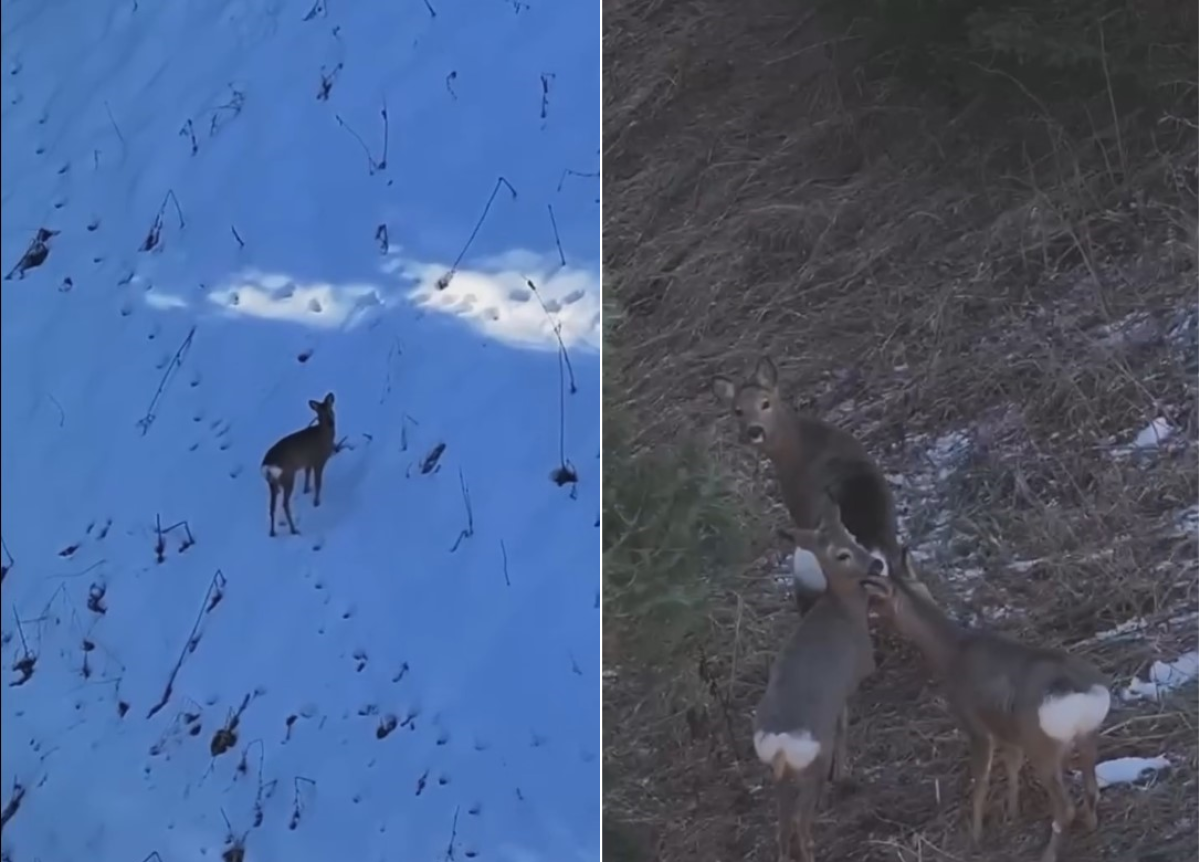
[271, 473]
[1068, 717]
[799, 749]
[806, 571]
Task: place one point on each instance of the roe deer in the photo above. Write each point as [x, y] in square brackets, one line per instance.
[813, 459]
[800, 723]
[1033, 702]
[307, 449]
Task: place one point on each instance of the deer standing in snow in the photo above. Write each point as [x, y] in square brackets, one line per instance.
[1032, 702]
[307, 449]
[800, 723]
[813, 459]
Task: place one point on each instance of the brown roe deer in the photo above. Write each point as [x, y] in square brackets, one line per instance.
[800, 723]
[812, 460]
[307, 449]
[1032, 702]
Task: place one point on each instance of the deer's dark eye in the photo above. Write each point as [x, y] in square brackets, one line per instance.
[765, 405]
[737, 411]
[843, 556]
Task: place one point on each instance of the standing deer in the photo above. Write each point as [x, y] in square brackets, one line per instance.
[813, 459]
[800, 723]
[307, 449]
[1033, 702]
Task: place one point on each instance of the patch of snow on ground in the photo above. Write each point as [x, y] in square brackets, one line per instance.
[1134, 627]
[1164, 677]
[1183, 334]
[1128, 770]
[497, 298]
[1186, 521]
[1134, 329]
[225, 188]
[947, 453]
[1157, 432]
[920, 491]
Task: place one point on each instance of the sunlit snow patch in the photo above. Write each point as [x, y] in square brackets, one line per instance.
[277, 297]
[495, 296]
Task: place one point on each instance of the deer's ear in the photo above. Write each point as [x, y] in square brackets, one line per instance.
[315, 405]
[328, 399]
[905, 570]
[765, 374]
[807, 539]
[906, 577]
[724, 389]
[830, 514]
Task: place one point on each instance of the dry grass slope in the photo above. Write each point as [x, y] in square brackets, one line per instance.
[999, 269]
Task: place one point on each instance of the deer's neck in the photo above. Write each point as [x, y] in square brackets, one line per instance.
[931, 631]
[790, 453]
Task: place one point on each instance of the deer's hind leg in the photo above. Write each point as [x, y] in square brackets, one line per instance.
[1091, 789]
[982, 748]
[1013, 757]
[838, 768]
[287, 483]
[809, 790]
[274, 496]
[785, 800]
[1048, 759]
[307, 479]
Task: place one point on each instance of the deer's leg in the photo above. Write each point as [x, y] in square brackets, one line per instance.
[307, 478]
[785, 799]
[1049, 764]
[982, 747]
[1014, 758]
[318, 474]
[288, 482]
[837, 772]
[1091, 790]
[807, 796]
[274, 495]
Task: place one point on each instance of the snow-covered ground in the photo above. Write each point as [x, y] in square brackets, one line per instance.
[248, 205]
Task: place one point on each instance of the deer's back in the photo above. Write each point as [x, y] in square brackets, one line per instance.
[301, 448]
[830, 460]
[820, 666]
[1002, 681]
